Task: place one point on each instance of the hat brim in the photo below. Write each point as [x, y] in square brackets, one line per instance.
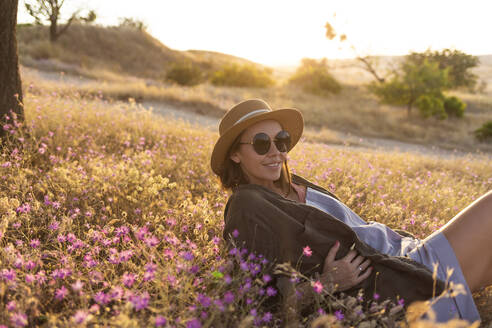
[290, 119]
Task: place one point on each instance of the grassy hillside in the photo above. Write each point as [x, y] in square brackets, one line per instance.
[112, 217]
[126, 63]
[120, 50]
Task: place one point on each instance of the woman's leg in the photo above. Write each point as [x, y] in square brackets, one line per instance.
[470, 235]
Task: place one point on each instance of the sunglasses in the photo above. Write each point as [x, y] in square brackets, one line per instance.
[261, 142]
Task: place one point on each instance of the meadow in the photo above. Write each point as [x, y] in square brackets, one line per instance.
[111, 217]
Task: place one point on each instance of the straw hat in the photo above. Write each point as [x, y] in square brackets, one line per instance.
[245, 114]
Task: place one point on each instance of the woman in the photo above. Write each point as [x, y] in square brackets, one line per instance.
[258, 175]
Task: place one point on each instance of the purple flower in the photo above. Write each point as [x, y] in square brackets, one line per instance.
[142, 232]
[30, 265]
[122, 231]
[61, 293]
[204, 300]
[54, 225]
[140, 302]
[101, 298]
[80, 316]
[8, 274]
[126, 255]
[24, 208]
[11, 306]
[150, 267]
[267, 278]
[19, 319]
[128, 279]
[339, 315]
[228, 297]
[401, 301]
[148, 276]
[194, 323]
[35, 243]
[41, 277]
[267, 317]
[188, 256]
[376, 296]
[160, 321]
[151, 241]
[116, 293]
[271, 291]
[244, 266]
[30, 278]
[235, 233]
[61, 238]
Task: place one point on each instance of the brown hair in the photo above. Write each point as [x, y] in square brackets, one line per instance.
[232, 175]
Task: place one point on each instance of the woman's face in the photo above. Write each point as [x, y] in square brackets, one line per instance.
[260, 169]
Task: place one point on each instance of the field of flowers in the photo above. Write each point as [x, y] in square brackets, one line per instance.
[111, 217]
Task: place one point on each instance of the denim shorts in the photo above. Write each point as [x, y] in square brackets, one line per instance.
[436, 249]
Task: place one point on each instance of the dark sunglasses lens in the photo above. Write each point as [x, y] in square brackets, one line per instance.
[282, 141]
[261, 143]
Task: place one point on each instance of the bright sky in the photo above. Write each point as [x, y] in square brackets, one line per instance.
[281, 32]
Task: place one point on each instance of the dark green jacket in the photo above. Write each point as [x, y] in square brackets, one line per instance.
[280, 228]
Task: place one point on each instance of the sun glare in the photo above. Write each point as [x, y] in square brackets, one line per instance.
[282, 32]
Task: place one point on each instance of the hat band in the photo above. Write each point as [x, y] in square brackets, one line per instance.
[251, 114]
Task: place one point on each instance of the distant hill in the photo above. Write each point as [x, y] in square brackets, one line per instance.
[122, 50]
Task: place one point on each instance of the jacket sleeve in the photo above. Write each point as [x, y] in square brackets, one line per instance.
[247, 225]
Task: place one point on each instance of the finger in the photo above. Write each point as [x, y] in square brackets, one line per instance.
[333, 252]
[365, 264]
[350, 256]
[364, 275]
[357, 260]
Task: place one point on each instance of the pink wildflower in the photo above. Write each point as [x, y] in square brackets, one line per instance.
[160, 321]
[80, 316]
[307, 251]
[19, 319]
[61, 293]
[317, 286]
[77, 286]
[35, 243]
[128, 279]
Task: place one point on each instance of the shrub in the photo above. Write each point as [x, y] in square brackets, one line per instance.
[247, 75]
[484, 133]
[429, 105]
[314, 77]
[410, 83]
[185, 73]
[454, 106]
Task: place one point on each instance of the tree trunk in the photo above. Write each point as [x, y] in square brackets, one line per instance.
[10, 82]
[53, 30]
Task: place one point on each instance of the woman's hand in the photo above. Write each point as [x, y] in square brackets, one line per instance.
[346, 272]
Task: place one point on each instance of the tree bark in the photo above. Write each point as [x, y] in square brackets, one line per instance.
[10, 81]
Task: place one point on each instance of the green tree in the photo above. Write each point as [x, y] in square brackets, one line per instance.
[50, 10]
[10, 81]
[457, 62]
[314, 77]
[412, 81]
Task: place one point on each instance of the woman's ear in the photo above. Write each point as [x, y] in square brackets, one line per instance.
[235, 158]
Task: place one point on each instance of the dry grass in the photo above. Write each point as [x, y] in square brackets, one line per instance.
[354, 110]
[112, 216]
